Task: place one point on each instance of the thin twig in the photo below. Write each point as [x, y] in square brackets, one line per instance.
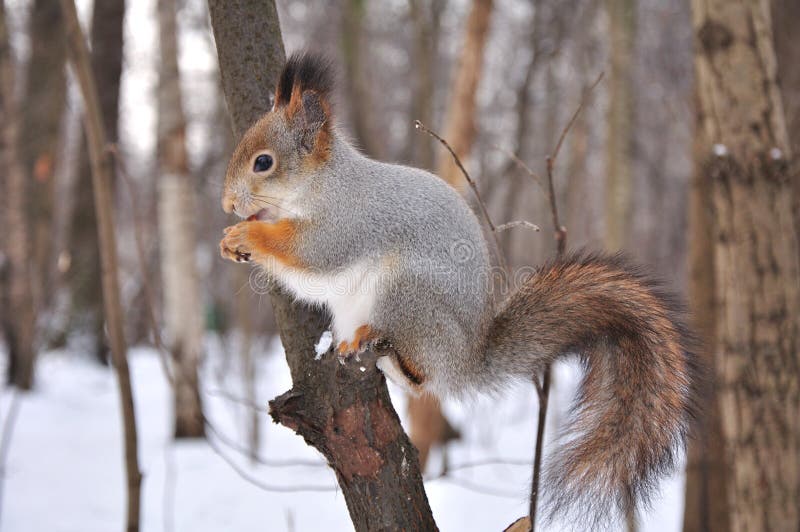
[518, 223]
[168, 510]
[224, 394]
[5, 438]
[511, 155]
[258, 483]
[235, 446]
[560, 234]
[477, 488]
[584, 99]
[140, 252]
[500, 258]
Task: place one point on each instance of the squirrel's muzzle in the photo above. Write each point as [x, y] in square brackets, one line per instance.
[228, 203]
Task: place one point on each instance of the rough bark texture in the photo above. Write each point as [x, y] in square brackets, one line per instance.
[106, 50]
[20, 322]
[101, 166]
[756, 348]
[619, 137]
[343, 411]
[706, 501]
[459, 129]
[45, 91]
[178, 240]
[786, 18]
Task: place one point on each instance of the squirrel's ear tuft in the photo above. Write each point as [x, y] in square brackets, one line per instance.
[304, 71]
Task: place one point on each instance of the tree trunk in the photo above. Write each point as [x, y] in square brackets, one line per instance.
[20, 322]
[756, 348]
[45, 98]
[101, 188]
[706, 501]
[342, 411]
[357, 85]
[426, 19]
[619, 136]
[182, 307]
[786, 17]
[106, 50]
[459, 128]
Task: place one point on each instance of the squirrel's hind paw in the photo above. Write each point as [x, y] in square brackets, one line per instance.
[363, 339]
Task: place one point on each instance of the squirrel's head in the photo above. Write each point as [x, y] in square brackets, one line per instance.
[280, 154]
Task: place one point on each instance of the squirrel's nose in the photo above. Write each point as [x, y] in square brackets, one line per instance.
[228, 204]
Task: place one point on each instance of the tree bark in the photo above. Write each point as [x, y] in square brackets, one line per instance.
[182, 307]
[786, 17]
[757, 298]
[101, 186]
[342, 411]
[706, 500]
[459, 128]
[20, 321]
[45, 99]
[106, 61]
[619, 137]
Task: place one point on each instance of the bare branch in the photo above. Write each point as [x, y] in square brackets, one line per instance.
[500, 258]
[5, 438]
[518, 223]
[149, 300]
[511, 155]
[560, 233]
[263, 485]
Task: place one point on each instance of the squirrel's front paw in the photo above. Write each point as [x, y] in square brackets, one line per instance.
[235, 244]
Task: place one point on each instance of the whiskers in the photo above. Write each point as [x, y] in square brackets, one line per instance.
[260, 199]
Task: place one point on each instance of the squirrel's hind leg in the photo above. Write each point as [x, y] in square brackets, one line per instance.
[392, 367]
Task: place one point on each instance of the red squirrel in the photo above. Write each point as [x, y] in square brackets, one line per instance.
[395, 254]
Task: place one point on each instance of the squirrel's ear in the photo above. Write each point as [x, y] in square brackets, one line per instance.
[303, 92]
[312, 117]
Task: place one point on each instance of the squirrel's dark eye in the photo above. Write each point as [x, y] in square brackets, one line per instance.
[263, 163]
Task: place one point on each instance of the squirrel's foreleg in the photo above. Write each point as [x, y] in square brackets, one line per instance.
[258, 241]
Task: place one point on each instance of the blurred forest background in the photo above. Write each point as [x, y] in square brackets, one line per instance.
[494, 78]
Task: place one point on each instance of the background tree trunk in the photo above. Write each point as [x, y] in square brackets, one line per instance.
[706, 500]
[106, 50]
[344, 412]
[786, 17]
[41, 118]
[757, 343]
[101, 166]
[426, 17]
[619, 136]
[359, 101]
[20, 322]
[176, 211]
[459, 127]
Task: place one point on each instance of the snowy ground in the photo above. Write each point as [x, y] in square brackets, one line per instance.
[64, 470]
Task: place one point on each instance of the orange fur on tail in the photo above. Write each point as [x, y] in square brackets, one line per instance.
[639, 391]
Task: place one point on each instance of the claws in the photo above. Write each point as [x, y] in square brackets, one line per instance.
[234, 245]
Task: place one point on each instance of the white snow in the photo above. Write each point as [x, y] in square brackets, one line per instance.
[65, 471]
[324, 343]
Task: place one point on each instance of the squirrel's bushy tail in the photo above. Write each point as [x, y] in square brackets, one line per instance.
[639, 391]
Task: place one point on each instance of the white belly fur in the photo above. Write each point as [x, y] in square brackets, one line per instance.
[349, 294]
